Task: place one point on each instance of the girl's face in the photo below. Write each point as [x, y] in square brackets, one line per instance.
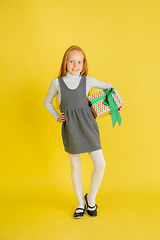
[75, 62]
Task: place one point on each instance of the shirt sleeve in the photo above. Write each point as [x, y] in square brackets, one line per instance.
[52, 92]
[95, 83]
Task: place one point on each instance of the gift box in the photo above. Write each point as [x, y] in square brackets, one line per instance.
[105, 102]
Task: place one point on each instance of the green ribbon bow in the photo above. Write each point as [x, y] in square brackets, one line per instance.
[115, 116]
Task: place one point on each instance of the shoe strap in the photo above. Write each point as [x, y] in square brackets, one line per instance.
[80, 209]
[93, 206]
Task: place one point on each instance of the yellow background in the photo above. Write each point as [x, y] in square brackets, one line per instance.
[121, 40]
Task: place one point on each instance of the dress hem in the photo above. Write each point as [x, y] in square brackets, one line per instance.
[92, 150]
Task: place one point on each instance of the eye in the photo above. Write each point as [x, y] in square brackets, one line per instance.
[79, 62]
[71, 61]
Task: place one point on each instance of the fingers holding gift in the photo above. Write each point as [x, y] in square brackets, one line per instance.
[120, 109]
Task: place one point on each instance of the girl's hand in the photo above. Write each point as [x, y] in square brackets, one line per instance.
[61, 118]
[121, 108]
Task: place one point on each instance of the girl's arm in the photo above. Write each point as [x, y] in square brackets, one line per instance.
[94, 83]
[52, 92]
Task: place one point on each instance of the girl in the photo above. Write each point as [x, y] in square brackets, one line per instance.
[80, 131]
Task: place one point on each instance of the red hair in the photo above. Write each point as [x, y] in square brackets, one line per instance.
[63, 69]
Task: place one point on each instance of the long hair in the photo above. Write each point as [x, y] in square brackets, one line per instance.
[63, 69]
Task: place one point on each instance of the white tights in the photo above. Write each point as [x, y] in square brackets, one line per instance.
[97, 174]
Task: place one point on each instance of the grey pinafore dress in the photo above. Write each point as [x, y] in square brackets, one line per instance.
[80, 132]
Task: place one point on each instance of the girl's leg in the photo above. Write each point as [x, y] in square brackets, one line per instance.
[99, 166]
[75, 161]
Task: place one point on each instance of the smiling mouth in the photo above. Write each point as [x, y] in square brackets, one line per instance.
[75, 70]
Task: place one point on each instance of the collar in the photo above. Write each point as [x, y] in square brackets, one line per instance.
[72, 76]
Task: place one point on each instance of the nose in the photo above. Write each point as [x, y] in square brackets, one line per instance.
[75, 64]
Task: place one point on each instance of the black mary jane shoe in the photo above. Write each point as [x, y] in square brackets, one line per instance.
[79, 214]
[92, 213]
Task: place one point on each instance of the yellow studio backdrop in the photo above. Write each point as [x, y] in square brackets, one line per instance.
[121, 41]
